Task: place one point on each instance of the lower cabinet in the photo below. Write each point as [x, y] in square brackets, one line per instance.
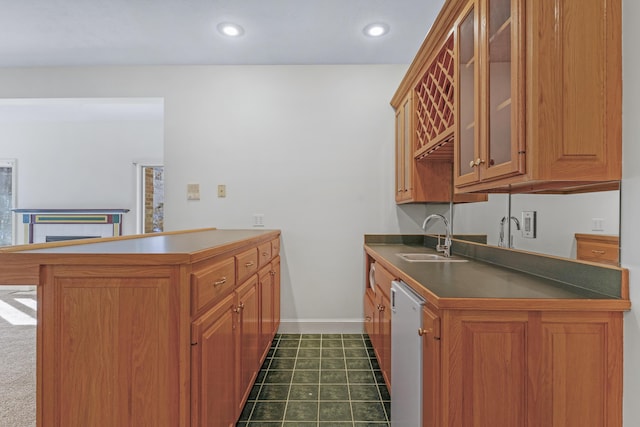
[269, 282]
[384, 337]
[229, 343]
[522, 368]
[213, 364]
[377, 307]
[250, 349]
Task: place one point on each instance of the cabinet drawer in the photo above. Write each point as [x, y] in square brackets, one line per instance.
[598, 248]
[590, 251]
[246, 264]
[264, 253]
[211, 283]
[275, 247]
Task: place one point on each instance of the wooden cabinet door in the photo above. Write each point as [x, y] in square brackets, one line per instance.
[467, 141]
[484, 369]
[275, 269]
[213, 361]
[404, 152]
[579, 379]
[502, 142]
[370, 313]
[430, 333]
[266, 306]
[109, 336]
[249, 354]
[384, 337]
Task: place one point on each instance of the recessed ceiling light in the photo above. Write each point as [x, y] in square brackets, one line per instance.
[230, 29]
[377, 29]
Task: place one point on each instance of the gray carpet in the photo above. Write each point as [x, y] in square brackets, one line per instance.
[17, 365]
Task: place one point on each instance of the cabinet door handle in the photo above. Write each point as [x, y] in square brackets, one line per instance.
[248, 264]
[423, 332]
[272, 272]
[368, 318]
[381, 307]
[479, 161]
[598, 252]
[239, 308]
[472, 164]
[220, 282]
[265, 253]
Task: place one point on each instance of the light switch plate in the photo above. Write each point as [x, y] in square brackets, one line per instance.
[597, 224]
[222, 190]
[193, 191]
[529, 224]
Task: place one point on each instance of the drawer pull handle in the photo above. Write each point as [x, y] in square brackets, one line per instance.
[220, 282]
[248, 264]
[368, 318]
[265, 253]
[598, 252]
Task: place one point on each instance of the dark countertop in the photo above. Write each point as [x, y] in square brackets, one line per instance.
[167, 248]
[476, 279]
[177, 243]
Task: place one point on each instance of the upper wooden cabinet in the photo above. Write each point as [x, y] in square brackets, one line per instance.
[424, 131]
[537, 95]
[540, 103]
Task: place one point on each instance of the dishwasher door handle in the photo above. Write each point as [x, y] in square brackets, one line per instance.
[393, 300]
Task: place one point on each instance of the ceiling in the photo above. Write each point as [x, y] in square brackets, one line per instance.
[36, 33]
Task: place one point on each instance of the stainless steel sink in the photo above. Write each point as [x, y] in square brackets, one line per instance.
[422, 257]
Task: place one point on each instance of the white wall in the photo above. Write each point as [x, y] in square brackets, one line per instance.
[79, 164]
[630, 233]
[310, 147]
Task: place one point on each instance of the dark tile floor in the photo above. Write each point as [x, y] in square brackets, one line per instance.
[328, 380]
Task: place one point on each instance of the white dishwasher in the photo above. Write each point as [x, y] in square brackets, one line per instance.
[406, 356]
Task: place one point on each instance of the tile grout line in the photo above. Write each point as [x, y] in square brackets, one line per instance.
[293, 372]
[255, 402]
[386, 415]
[346, 371]
[319, 380]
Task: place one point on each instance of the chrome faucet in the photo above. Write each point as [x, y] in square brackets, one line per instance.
[501, 242]
[446, 248]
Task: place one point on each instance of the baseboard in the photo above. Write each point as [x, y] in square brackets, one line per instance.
[23, 288]
[321, 326]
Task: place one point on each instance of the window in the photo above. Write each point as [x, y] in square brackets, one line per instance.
[150, 198]
[7, 201]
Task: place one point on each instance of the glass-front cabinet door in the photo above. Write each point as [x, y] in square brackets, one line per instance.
[502, 149]
[467, 151]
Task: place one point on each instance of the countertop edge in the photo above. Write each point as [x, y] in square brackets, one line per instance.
[537, 304]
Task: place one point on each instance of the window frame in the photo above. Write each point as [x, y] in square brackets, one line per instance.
[12, 163]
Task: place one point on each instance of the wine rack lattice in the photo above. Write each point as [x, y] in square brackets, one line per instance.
[434, 105]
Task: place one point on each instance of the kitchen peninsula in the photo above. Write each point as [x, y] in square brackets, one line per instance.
[167, 329]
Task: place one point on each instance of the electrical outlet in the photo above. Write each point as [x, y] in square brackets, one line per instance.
[258, 220]
[529, 224]
[222, 190]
